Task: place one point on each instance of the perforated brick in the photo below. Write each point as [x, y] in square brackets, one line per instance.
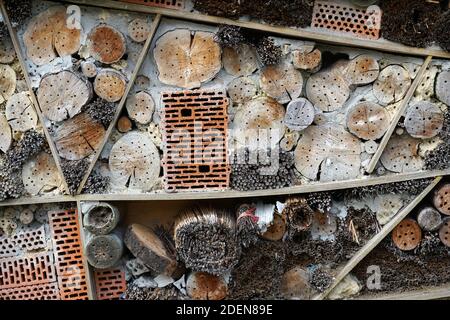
[110, 284]
[195, 127]
[28, 270]
[347, 19]
[29, 240]
[68, 253]
[7, 248]
[172, 4]
[48, 291]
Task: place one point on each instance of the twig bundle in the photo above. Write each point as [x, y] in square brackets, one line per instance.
[206, 240]
[299, 215]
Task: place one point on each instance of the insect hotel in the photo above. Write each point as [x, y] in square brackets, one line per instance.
[212, 149]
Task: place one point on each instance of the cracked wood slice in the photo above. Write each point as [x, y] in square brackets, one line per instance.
[62, 95]
[407, 235]
[429, 219]
[110, 85]
[240, 61]
[5, 134]
[362, 70]
[20, 112]
[145, 245]
[205, 286]
[78, 137]
[241, 90]
[443, 87]
[187, 59]
[138, 30]
[309, 61]
[40, 175]
[106, 44]
[47, 35]
[282, 82]
[441, 199]
[327, 90]
[392, 84]
[402, 154]
[89, 69]
[424, 120]
[330, 150]
[299, 114]
[368, 120]
[104, 251]
[444, 232]
[135, 162]
[7, 51]
[140, 107]
[295, 284]
[7, 82]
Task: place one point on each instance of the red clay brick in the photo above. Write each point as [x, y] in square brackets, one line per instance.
[171, 4]
[45, 291]
[110, 284]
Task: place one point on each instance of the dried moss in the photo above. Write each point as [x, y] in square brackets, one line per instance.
[28, 146]
[18, 11]
[96, 184]
[442, 31]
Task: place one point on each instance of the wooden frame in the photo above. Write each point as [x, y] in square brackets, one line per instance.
[427, 293]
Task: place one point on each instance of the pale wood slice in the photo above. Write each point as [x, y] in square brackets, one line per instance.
[140, 107]
[429, 219]
[47, 35]
[402, 154]
[20, 112]
[205, 286]
[277, 229]
[386, 206]
[327, 90]
[330, 148]
[442, 87]
[370, 146]
[40, 174]
[241, 90]
[26, 216]
[7, 51]
[444, 232]
[101, 218]
[7, 82]
[138, 30]
[105, 251]
[392, 84]
[299, 114]
[362, 70]
[5, 134]
[367, 120]
[424, 120]
[186, 59]
[110, 85]
[309, 61]
[142, 82]
[260, 113]
[282, 82]
[124, 124]
[240, 61]
[323, 225]
[145, 245]
[106, 44]
[407, 235]
[135, 162]
[89, 69]
[295, 284]
[78, 137]
[441, 199]
[289, 141]
[62, 95]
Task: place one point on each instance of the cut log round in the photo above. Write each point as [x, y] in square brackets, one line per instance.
[145, 245]
[140, 107]
[20, 112]
[106, 44]
[289, 141]
[392, 84]
[40, 174]
[26, 216]
[282, 82]
[330, 149]
[78, 137]
[124, 124]
[62, 95]
[277, 229]
[362, 70]
[135, 162]
[103, 252]
[444, 232]
[370, 146]
[142, 83]
[89, 69]
[110, 85]
[441, 199]
[407, 235]
[309, 61]
[186, 59]
[367, 120]
[240, 61]
[295, 284]
[299, 114]
[205, 286]
[7, 51]
[442, 87]
[327, 90]
[7, 82]
[424, 120]
[101, 218]
[5, 134]
[429, 219]
[323, 225]
[402, 154]
[241, 90]
[138, 30]
[47, 35]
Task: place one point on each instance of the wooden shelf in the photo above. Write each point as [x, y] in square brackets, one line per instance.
[427, 293]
